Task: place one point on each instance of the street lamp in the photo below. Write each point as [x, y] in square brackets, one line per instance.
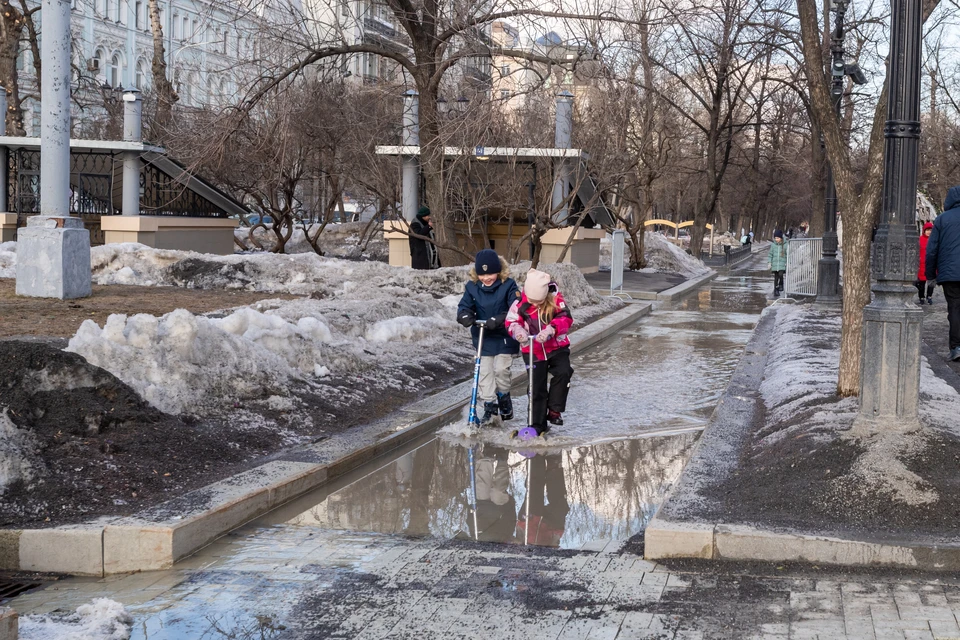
[890, 360]
[828, 269]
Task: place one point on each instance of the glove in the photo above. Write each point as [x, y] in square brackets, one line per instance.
[467, 318]
[496, 321]
[547, 333]
[520, 334]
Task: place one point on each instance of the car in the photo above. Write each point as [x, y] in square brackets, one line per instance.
[255, 219]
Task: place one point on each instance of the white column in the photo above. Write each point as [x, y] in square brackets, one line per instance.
[132, 132]
[410, 194]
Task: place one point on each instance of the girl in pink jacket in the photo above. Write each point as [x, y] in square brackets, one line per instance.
[542, 314]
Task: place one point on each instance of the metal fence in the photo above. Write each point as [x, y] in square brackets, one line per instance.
[616, 261]
[803, 255]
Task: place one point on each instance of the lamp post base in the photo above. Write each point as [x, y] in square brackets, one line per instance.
[828, 282]
[890, 364]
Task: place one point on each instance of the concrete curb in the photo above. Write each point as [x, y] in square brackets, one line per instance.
[158, 537]
[676, 531]
[8, 624]
[675, 293]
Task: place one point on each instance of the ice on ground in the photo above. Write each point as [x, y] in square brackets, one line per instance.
[16, 452]
[8, 260]
[662, 256]
[102, 619]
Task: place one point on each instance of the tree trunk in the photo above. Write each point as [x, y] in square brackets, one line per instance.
[11, 30]
[166, 96]
[818, 182]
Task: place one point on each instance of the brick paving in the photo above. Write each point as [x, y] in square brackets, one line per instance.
[299, 582]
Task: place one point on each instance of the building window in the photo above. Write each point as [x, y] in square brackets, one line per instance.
[505, 70]
[344, 7]
[195, 33]
[176, 27]
[138, 79]
[115, 71]
[138, 13]
[116, 11]
[504, 94]
[185, 28]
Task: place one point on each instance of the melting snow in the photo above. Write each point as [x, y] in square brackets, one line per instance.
[103, 619]
[16, 452]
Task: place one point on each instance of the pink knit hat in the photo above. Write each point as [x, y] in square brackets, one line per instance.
[536, 285]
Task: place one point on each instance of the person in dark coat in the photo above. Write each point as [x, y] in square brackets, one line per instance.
[488, 296]
[943, 263]
[423, 254]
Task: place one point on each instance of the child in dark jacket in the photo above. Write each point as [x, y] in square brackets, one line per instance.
[488, 297]
[541, 313]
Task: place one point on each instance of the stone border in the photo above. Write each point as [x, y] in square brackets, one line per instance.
[675, 293]
[159, 536]
[675, 531]
[9, 626]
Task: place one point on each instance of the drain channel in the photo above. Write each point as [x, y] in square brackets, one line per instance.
[10, 589]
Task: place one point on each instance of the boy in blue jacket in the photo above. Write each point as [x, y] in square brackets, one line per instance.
[488, 296]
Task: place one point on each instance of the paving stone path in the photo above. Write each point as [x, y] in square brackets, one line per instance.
[297, 582]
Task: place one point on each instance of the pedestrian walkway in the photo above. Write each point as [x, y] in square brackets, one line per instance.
[301, 582]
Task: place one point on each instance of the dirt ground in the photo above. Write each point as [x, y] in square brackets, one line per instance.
[61, 318]
[100, 450]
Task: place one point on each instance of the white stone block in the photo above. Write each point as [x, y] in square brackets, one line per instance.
[75, 550]
[8, 624]
[53, 258]
[666, 539]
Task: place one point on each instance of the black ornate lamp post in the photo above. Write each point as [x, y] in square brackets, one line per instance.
[828, 276]
[890, 362]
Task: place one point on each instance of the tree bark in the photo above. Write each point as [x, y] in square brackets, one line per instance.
[162, 87]
[11, 30]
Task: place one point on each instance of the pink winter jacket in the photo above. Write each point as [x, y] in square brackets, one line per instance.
[524, 314]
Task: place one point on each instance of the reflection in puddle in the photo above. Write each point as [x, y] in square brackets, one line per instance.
[567, 499]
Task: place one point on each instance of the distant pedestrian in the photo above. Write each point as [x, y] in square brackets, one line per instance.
[925, 287]
[423, 253]
[778, 262]
[943, 263]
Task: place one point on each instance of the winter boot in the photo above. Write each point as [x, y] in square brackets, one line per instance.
[505, 403]
[554, 417]
[489, 411]
[930, 300]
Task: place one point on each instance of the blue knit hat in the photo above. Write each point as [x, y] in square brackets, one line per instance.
[778, 234]
[487, 262]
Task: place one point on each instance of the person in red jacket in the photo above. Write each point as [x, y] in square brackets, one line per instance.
[925, 287]
[539, 321]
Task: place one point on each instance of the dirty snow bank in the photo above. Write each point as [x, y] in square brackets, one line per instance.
[17, 448]
[662, 256]
[799, 391]
[362, 318]
[8, 260]
[103, 619]
[345, 240]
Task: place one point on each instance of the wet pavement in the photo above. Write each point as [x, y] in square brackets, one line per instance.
[456, 538]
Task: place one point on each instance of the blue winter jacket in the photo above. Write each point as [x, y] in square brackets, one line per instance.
[943, 248]
[490, 302]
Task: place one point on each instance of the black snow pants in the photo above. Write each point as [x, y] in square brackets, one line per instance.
[778, 281]
[558, 366]
[951, 291]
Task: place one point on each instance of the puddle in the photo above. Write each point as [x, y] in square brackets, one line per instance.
[635, 410]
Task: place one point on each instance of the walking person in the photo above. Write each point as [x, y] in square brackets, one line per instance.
[778, 262]
[541, 313]
[925, 288]
[423, 253]
[943, 263]
[488, 296]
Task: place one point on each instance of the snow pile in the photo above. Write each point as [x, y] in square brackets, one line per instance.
[8, 260]
[799, 391]
[133, 263]
[664, 256]
[726, 239]
[16, 452]
[103, 619]
[186, 363]
[351, 241]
